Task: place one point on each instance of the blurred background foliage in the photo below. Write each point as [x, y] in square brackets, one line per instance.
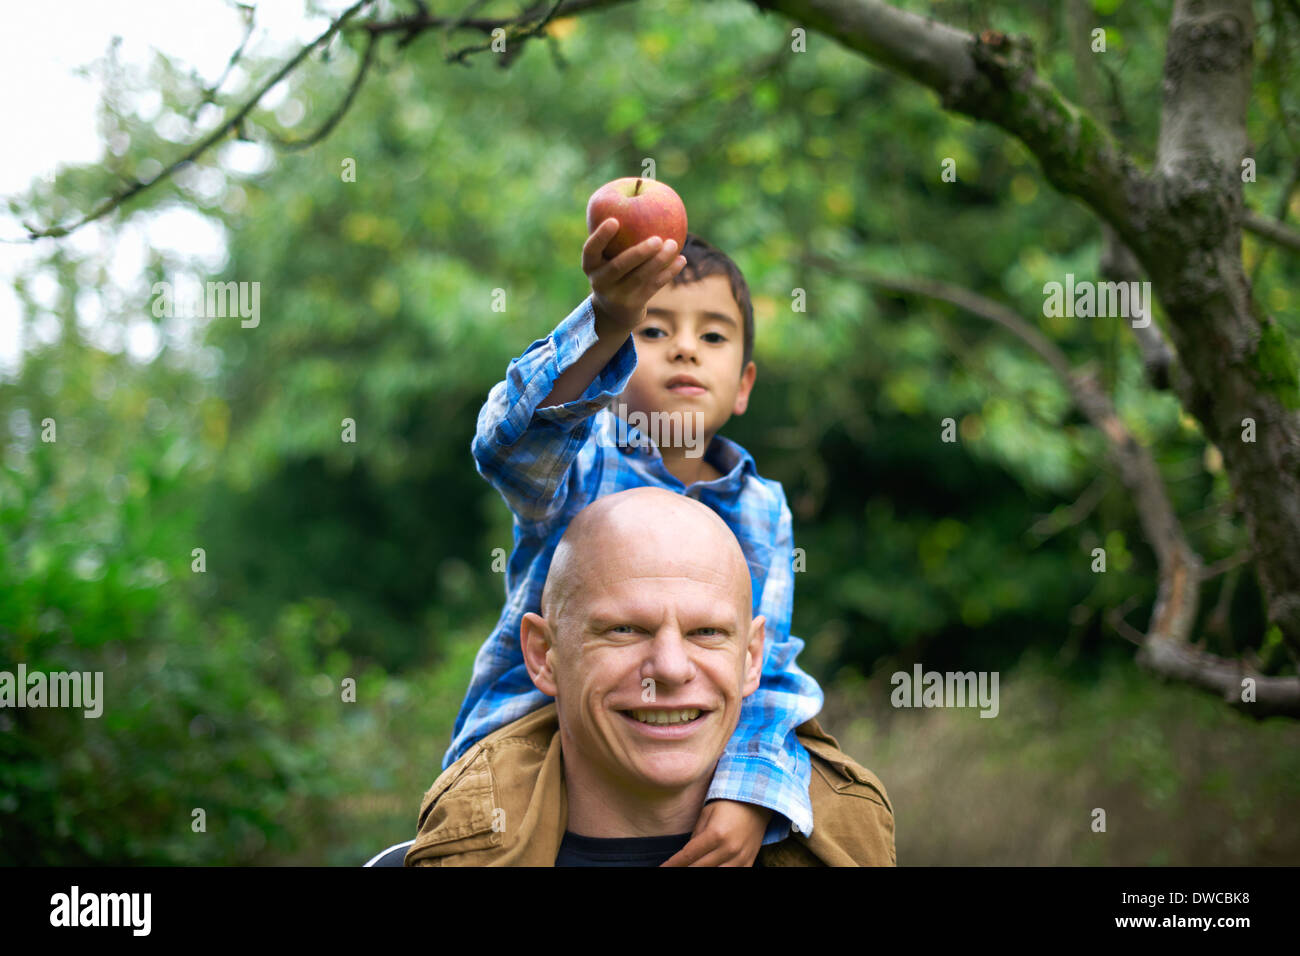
[372, 560]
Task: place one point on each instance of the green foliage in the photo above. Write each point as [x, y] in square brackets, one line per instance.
[1276, 361]
[1182, 779]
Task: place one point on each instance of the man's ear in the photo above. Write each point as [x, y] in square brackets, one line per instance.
[754, 655]
[537, 640]
[746, 386]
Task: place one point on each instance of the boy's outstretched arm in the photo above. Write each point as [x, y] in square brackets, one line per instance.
[764, 766]
[534, 423]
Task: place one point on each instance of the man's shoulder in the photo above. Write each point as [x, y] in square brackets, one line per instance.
[853, 817]
[533, 732]
[841, 772]
[480, 800]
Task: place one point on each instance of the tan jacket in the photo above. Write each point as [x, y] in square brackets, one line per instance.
[504, 804]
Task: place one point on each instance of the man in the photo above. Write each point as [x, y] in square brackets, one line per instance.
[648, 644]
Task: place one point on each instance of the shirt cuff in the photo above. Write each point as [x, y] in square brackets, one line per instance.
[764, 783]
[568, 343]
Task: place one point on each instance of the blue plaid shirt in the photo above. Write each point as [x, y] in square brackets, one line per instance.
[548, 464]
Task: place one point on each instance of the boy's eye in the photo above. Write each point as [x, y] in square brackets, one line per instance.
[654, 332]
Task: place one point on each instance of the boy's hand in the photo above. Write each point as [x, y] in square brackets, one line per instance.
[622, 286]
[727, 834]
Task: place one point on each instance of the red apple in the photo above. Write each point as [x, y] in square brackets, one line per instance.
[643, 208]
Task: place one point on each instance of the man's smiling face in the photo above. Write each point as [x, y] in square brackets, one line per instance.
[653, 619]
[689, 350]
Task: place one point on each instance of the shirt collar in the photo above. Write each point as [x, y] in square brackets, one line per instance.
[733, 461]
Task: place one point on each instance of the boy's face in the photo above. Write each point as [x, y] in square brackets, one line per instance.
[693, 330]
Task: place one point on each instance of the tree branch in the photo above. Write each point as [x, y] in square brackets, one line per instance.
[210, 94]
[1283, 203]
[1053, 524]
[1227, 564]
[328, 126]
[1183, 662]
[1118, 264]
[991, 77]
[1272, 230]
[963, 298]
[233, 123]
[1165, 648]
[419, 22]
[517, 38]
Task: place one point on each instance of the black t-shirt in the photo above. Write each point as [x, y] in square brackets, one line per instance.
[577, 850]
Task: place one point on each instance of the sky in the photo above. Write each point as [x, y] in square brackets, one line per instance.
[47, 118]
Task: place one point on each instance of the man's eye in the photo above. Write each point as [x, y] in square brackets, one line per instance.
[709, 631]
[623, 628]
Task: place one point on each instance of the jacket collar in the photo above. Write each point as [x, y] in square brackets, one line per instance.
[472, 817]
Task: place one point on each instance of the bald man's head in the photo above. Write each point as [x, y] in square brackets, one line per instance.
[651, 529]
[647, 619]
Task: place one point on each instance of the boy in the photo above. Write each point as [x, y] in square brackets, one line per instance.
[548, 443]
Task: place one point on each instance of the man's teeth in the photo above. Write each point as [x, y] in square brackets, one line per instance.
[665, 716]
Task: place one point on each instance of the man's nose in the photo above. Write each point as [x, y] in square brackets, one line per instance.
[670, 660]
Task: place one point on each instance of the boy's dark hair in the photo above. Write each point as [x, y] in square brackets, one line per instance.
[704, 260]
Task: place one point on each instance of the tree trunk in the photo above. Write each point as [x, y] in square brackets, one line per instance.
[1239, 362]
[1183, 221]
